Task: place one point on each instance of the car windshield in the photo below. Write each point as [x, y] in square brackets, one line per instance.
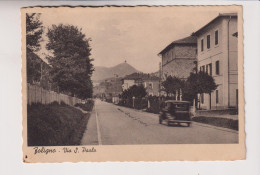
[182, 107]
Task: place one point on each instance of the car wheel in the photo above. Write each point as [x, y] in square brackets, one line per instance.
[160, 121]
[188, 124]
[168, 123]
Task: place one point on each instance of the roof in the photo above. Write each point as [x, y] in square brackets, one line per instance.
[175, 101]
[187, 40]
[140, 76]
[221, 15]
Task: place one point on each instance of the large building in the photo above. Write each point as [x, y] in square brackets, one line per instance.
[109, 88]
[217, 55]
[150, 82]
[178, 58]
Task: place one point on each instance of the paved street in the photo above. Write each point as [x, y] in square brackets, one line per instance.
[114, 125]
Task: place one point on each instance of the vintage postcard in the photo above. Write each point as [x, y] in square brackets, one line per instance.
[141, 83]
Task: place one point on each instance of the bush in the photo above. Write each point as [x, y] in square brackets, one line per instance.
[88, 106]
[154, 105]
[109, 100]
[141, 103]
[126, 102]
[55, 125]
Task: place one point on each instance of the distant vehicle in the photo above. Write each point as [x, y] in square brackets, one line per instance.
[175, 112]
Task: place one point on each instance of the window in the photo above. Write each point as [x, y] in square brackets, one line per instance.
[216, 96]
[216, 37]
[217, 67]
[208, 41]
[202, 45]
[150, 85]
[207, 68]
[210, 69]
[203, 69]
[181, 107]
[202, 98]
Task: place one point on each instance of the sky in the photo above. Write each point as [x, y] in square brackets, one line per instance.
[134, 34]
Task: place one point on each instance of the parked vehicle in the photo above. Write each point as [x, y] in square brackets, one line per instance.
[177, 112]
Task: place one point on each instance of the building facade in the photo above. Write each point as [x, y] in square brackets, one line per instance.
[178, 58]
[150, 83]
[217, 55]
[108, 88]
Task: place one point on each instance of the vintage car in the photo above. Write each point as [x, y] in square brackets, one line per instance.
[175, 112]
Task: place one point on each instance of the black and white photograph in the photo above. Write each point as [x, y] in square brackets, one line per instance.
[155, 77]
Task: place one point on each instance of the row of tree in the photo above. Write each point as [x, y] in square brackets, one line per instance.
[134, 91]
[196, 83]
[70, 65]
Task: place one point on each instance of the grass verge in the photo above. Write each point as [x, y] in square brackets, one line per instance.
[55, 125]
[88, 106]
[216, 121]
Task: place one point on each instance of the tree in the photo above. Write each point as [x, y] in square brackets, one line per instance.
[172, 84]
[200, 83]
[134, 91]
[34, 30]
[71, 63]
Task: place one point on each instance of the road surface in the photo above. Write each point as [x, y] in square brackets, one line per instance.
[115, 125]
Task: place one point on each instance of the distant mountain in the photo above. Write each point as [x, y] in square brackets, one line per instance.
[120, 70]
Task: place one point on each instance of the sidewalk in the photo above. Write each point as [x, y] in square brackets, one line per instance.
[216, 113]
[90, 134]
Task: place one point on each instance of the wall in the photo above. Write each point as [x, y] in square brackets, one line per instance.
[186, 51]
[168, 56]
[114, 87]
[179, 67]
[233, 63]
[127, 84]
[227, 78]
[154, 91]
[210, 56]
[181, 62]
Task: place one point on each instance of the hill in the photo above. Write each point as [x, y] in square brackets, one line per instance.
[119, 70]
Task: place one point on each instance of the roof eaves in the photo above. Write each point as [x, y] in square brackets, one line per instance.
[178, 42]
[167, 48]
[196, 33]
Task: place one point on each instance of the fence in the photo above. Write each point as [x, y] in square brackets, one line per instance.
[36, 94]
